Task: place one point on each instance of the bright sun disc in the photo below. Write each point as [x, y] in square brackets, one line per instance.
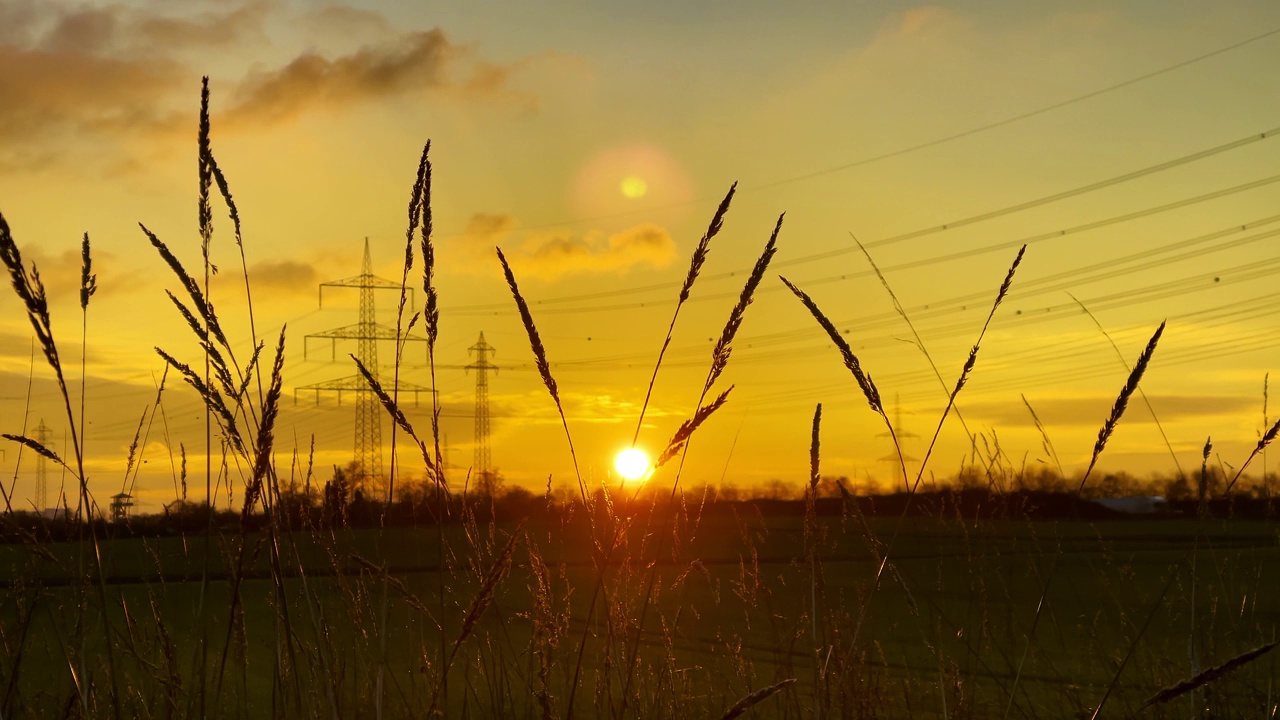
[632, 464]
[633, 187]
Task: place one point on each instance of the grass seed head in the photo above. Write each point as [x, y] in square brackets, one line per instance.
[1122, 401]
[724, 346]
[535, 340]
[868, 387]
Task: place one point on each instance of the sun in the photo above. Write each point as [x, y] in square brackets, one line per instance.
[632, 464]
[633, 187]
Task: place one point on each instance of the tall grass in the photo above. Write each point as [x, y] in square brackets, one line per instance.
[662, 602]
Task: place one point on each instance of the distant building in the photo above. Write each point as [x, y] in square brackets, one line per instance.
[1139, 505]
[121, 503]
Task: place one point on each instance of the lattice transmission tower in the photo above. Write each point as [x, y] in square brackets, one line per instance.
[44, 435]
[482, 465]
[902, 434]
[366, 334]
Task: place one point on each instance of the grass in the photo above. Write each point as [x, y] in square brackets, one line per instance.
[663, 603]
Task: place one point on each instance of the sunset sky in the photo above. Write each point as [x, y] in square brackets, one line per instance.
[592, 141]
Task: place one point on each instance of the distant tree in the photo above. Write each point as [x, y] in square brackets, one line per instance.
[1177, 488]
[776, 489]
[487, 484]
[728, 492]
[1042, 478]
[828, 487]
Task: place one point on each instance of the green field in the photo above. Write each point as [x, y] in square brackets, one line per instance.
[737, 609]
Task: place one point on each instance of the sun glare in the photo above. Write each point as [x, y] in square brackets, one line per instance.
[632, 464]
[633, 187]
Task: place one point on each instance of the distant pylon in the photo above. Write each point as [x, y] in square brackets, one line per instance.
[367, 332]
[482, 465]
[901, 434]
[44, 435]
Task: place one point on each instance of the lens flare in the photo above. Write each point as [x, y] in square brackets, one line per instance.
[633, 187]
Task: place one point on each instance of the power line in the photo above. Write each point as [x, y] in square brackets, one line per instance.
[484, 308]
[936, 141]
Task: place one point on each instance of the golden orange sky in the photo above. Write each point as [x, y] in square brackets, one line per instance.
[1132, 146]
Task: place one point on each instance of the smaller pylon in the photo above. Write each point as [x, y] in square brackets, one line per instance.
[899, 434]
[44, 435]
[482, 466]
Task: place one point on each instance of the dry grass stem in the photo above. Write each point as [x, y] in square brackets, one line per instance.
[212, 398]
[755, 698]
[695, 268]
[30, 290]
[970, 361]
[266, 431]
[724, 346]
[88, 278]
[687, 428]
[535, 340]
[431, 310]
[815, 449]
[204, 210]
[919, 341]
[1115, 679]
[1045, 442]
[1263, 442]
[704, 245]
[35, 446]
[1207, 676]
[850, 360]
[1122, 401]
[1120, 356]
[203, 306]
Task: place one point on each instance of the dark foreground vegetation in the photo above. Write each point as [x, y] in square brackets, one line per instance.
[301, 512]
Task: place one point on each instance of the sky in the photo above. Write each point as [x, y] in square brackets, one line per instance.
[1132, 146]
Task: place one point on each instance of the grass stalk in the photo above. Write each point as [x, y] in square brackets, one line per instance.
[1122, 401]
[719, 360]
[1142, 394]
[696, 262]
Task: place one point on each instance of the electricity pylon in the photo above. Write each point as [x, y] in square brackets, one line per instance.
[899, 434]
[44, 435]
[482, 465]
[366, 333]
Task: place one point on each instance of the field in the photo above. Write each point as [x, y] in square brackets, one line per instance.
[952, 629]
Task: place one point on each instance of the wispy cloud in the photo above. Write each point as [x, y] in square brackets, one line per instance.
[283, 276]
[552, 255]
[413, 63]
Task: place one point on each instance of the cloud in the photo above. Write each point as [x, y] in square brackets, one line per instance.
[414, 62]
[210, 29]
[103, 78]
[51, 95]
[338, 22]
[100, 74]
[550, 255]
[60, 272]
[284, 276]
[488, 229]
